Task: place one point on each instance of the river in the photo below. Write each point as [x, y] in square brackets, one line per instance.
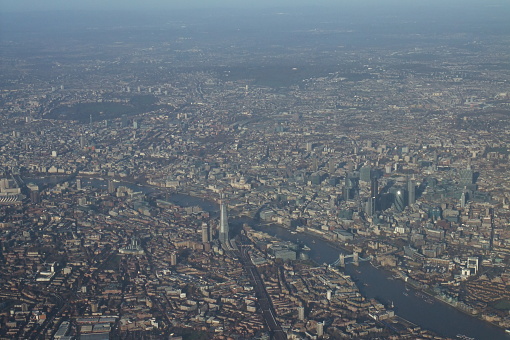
[372, 282]
[377, 283]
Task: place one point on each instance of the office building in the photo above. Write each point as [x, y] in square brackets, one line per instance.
[374, 187]
[411, 192]
[347, 189]
[399, 200]
[320, 329]
[331, 166]
[35, 196]
[463, 200]
[301, 313]
[315, 165]
[370, 207]
[173, 259]
[206, 237]
[111, 187]
[365, 173]
[466, 176]
[83, 142]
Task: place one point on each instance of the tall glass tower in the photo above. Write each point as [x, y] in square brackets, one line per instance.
[223, 223]
[466, 176]
[399, 200]
[411, 192]
[365, 173]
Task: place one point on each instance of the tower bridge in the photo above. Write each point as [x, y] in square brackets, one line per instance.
[356, 259]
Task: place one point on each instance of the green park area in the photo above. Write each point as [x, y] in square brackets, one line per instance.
[100, 111]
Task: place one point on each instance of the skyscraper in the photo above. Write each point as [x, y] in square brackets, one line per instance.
[315, 165]
[491, 243]
[173, 259]
[320, 329]
[399, 200]
[124, 121]
[331, 166]
[35, 196]
[111, 187]
[374, 187]
[347, 188]
[301, 313]
[365, 173]
[224, 230]
[466, 176]
[205, 233]
[411, 192]
[463, 200]
[83, 142]
[370, 207]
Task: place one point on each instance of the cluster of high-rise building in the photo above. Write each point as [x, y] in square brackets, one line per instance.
[400, 158]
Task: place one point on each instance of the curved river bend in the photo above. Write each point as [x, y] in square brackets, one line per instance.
[372, 282]
[377, 283]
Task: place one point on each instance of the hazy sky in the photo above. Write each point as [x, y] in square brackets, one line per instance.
[38, 5]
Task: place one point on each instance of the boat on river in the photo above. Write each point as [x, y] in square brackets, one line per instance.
[464, 337]
[429, 300]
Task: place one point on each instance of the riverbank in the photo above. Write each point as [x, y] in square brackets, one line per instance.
[377, 283]
[396, 274]
[380, 283]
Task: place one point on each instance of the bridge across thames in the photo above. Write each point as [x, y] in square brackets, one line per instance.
[356, 259]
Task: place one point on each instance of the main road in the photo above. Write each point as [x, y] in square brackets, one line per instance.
[263, 297]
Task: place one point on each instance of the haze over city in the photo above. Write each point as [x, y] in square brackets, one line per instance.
[254, 170]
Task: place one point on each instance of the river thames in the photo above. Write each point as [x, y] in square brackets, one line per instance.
[376, 283]
[373, 282]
